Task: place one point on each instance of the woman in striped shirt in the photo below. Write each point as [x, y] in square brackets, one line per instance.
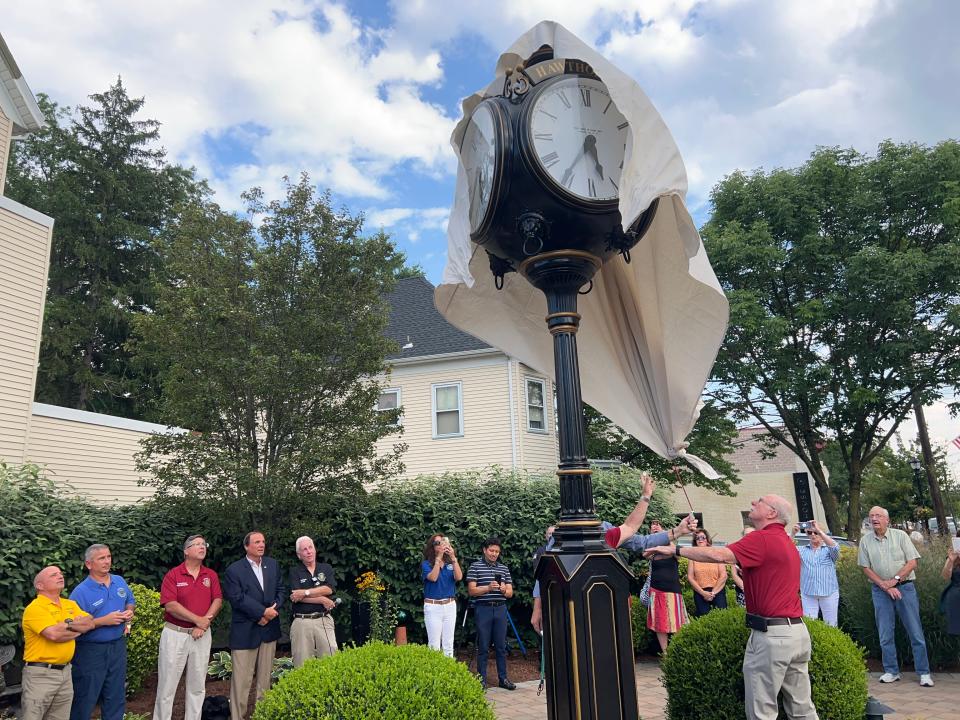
[819, 589]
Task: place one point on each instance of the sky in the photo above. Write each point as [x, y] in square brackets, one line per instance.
[363, 94]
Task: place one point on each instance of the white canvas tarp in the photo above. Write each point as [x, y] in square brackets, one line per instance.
[651, 328]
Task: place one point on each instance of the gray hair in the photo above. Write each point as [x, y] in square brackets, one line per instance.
[189, 541]
[883, 511]
[300, 540]
[89, 552]
[783, 507]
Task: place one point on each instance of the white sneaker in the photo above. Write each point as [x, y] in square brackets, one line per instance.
[926, 681]
[891, 677]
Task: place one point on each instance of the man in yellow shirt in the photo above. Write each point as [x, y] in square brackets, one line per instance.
[51, 625]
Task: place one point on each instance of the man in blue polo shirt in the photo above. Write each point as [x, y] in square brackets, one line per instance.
[100, 660]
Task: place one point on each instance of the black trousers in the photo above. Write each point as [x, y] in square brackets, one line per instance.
[491, 624]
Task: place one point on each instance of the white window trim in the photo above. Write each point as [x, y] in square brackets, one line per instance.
[399, 393]
[433, 408]
[545, 430]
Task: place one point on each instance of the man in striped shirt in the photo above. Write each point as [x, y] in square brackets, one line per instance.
[490, 585]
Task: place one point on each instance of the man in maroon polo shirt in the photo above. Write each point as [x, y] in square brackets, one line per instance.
[191, 598]
[778, 650]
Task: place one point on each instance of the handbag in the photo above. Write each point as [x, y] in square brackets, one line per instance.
[644, 596]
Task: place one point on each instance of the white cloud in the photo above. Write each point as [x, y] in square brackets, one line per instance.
[329, 98]
[414, 219]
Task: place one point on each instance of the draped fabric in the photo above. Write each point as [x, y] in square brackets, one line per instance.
[651, 329]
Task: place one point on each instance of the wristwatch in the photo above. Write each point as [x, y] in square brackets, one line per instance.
[897, 578]
[676, 550]
[645, 498]
[68, 621]
[307, 593]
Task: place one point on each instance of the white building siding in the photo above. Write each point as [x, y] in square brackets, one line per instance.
[24, 248]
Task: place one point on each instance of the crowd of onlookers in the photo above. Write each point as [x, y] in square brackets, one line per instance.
[75, 648]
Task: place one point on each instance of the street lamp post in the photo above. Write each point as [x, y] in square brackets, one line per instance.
[542, 162]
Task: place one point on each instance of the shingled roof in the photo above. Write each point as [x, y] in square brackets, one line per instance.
[415, 319]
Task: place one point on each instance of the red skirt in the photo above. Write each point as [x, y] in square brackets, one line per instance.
[666, 612]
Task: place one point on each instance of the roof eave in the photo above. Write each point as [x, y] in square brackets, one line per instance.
[27, 117]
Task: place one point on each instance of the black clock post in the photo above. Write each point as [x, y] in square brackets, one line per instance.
[543, 162]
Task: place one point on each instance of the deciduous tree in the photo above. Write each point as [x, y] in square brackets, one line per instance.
[843, 277]
[269, 342]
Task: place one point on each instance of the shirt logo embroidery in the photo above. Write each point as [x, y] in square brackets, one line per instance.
[183, 584]
[206, 582]
[121, 592]
[98, 603]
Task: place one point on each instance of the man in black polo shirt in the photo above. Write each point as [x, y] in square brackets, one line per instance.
[490, 585]
[312, 586]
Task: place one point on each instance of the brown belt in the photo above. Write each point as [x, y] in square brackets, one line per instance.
[444, 601]
[176, 628]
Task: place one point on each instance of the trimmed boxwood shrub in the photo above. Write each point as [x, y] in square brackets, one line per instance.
[143, 645]
[377, 682]
[703, 669]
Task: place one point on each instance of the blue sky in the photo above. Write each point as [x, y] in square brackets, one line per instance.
[363, 94]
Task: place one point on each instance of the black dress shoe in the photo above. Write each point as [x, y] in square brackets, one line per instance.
[507, 685]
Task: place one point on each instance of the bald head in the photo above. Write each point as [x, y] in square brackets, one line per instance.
[770, 509]
[49, 581]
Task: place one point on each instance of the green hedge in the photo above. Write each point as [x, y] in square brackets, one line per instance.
[377, 682]
[856, 607]
[143, 645]
[702, 669]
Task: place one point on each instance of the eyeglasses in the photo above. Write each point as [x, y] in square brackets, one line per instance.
[199, 544]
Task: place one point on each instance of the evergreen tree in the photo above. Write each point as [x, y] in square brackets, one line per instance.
[100, 173]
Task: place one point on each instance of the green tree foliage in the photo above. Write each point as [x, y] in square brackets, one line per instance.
[712, 439]
[890, 482]
[843, 277]
[268, 342]
[100, 173]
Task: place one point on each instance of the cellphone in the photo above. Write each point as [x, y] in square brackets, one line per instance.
[956, 544]
[446, 540]
[805, 525]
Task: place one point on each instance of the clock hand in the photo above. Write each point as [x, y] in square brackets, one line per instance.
[590, 148]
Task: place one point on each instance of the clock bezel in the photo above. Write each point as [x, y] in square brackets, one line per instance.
[502, 142]
[532, 159]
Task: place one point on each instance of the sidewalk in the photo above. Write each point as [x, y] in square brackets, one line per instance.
[907, 698]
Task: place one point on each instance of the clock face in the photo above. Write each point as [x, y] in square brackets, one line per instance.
[479, 155]
[579, 138]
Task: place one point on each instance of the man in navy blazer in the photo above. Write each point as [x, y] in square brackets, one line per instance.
[254, 588]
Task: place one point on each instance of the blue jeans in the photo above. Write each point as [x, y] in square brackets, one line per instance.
[99, 676]
[491, 623]
[885, 610]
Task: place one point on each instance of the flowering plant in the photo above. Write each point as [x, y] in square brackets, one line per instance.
[383, 611]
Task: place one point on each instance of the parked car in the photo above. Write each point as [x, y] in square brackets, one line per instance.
[801, 539]
[935, 526]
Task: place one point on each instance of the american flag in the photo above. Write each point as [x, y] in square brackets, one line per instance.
[956, 441]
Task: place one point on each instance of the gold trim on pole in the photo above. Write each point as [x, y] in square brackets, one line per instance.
[576, 666]
[578, 523]
[575, 471]
[557, 329]
[555, 315]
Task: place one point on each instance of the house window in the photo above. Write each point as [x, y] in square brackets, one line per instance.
[447, 411]
[536, 409]
[389, 400]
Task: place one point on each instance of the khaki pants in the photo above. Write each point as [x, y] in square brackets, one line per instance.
[777, 660]
[245, 662]
[179, 652]
[46, 694]
[312, 638]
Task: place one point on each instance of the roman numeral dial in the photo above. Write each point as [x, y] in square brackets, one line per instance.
[578, 138]
[480, 158]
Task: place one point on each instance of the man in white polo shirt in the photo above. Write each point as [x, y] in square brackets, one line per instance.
[888, 558]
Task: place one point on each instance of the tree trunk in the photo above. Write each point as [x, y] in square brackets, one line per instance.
[928, 465]
[854, 520]
[831, 508]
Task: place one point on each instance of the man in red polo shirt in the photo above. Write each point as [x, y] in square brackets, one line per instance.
[191, 597]
[778, 650]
